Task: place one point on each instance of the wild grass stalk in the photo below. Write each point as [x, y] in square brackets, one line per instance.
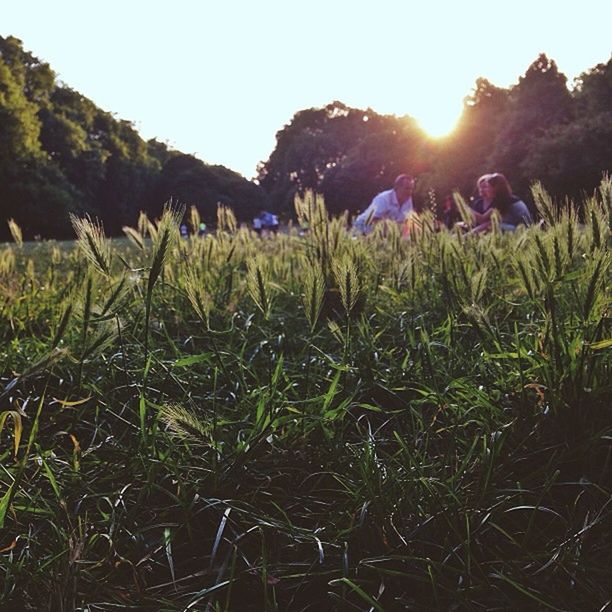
[92, 243]
[165, 236]
[195, 220]
[15, 232]
[544, 204]
[135, 237]
[464, 210]
[258, 284]
[312, 298]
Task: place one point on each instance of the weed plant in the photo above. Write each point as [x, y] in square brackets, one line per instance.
[308, 423]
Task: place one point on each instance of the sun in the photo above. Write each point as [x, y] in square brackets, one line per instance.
[438, 120]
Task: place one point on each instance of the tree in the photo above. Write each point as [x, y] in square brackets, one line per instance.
[593, 92]
[539, 102]
[19, 124]
[571, 157]
[463, 156]
[36, 77]
[190, 181]
[345, 153]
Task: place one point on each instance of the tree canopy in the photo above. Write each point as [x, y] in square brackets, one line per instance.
[346, 153]
[536, 130]
[60, 153]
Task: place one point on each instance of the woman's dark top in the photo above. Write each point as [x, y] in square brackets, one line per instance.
[478, 205]
[513, 213]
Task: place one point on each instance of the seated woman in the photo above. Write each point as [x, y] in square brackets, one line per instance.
[482, 203]
[512, 210]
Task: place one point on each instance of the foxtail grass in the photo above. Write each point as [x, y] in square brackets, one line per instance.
[93, 244]
[312, 298]
[258, 284]
[166, 235]
[15, 232]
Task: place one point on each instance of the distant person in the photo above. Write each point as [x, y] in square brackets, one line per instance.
[481, 205]
[450, 212]
[391, 205]
[202, 229]
[274, 224]
[184, 230]
[512, 210]
[257, 225]
[265, 221]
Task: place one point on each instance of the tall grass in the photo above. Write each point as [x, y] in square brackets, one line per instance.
[230, 423]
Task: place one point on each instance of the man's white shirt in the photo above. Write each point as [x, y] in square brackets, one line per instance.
[384, 206]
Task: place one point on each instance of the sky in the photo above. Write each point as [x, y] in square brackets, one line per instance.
[218, 79]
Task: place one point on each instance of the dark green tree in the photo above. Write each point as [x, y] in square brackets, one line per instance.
[345, 153]
[570, 158]
[190, 181]
[60, 153]
[593, 92]
[539, 102]
[19, 123]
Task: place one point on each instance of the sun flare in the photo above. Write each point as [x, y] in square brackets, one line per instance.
[438, 121]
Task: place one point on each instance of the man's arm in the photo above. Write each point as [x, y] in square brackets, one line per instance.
[364, 221]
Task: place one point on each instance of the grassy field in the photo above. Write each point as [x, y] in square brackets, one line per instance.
[317, 423]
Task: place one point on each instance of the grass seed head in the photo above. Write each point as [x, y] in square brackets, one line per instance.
[15, 232]
[345, 272]
[314, 290]
[184, 423]
[258, 284]
[134, 236]
[92, 243]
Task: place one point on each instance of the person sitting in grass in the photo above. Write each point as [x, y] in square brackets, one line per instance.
[391, 205]
[482, 203]
[450, 213]
[257, 225]
[512, 210]
[265, 221]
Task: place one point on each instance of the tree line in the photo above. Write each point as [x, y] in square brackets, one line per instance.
[61, 154]
[537, 129]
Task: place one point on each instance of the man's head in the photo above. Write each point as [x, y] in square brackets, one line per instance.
[403, 186]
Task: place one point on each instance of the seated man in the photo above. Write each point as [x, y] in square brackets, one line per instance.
[391, 205]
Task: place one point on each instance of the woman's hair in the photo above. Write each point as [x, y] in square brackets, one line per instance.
[502, 192]
[482, 179]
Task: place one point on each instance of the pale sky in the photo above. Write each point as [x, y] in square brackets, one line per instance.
[219, 79]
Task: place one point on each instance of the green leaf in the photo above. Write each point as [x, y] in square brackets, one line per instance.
[359, 591]
[192, 360]
[18, 427]
[4, 504]
[602, 344]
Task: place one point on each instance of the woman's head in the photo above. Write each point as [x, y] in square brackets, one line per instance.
[484, 190]
[500, 186]
[501, 192]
